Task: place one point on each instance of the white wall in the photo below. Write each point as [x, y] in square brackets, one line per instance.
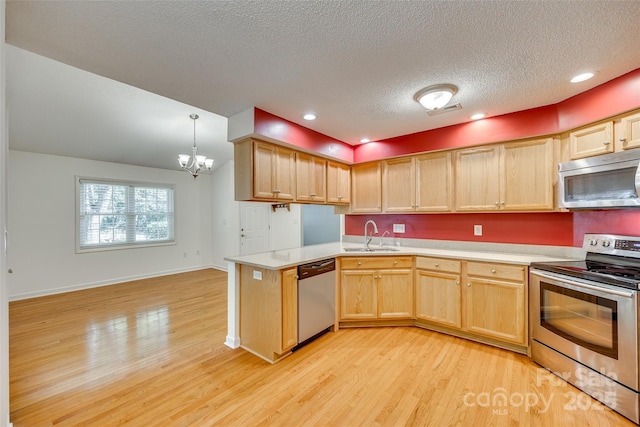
[285, 226]
[4, 304]
[225, 216]
[41, 220]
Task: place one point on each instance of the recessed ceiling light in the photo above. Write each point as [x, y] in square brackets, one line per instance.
[477, 116]
[581, 77]
[365, 140]
[309, 116]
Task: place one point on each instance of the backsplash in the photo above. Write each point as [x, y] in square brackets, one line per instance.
[552, 228]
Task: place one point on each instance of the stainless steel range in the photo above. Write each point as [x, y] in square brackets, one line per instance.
[584, 320]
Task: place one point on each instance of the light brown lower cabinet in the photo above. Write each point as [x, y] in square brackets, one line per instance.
[374, 288]
[477, 298]
[495, 301]
[268, 311]
[438, 295]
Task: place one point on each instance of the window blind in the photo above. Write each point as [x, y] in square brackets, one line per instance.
[113, 214]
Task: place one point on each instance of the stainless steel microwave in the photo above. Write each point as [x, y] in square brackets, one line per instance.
[600, 182]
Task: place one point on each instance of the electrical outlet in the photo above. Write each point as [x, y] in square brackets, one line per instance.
[477, 230]
[257, 275]
[398, 228]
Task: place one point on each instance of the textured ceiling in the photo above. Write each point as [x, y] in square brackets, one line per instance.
[356, 64]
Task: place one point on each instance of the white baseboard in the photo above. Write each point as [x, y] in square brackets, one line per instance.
[114, 281]
[232, 342]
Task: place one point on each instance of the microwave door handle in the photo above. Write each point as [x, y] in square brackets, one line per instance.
[577, 284]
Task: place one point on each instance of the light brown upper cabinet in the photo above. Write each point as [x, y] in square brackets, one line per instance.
[311, 178]
[417, 184]
[264, 171]
[630, 129]
[515, 176]
[433, 182]
[366, 186]
[591, 141]
[399, 185]
[338, 183]
[478, 179]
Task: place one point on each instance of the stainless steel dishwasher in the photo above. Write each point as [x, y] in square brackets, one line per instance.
[316, 299]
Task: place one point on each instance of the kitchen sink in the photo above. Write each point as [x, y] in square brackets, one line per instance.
[383, 249]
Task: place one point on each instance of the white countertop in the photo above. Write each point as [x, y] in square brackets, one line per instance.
[281, 259]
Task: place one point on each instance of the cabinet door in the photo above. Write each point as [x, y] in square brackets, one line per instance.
[395, 294]
[496, 309]
[310, 178]
[358, 296]
[630, 127]
[478, 179]
[438, 297]
[289, 292]
[527, 179]
[338, 183]
[366, 188]
[433, 182]
[398, 185]
[591, 141]
[284, 173]
[264, 184]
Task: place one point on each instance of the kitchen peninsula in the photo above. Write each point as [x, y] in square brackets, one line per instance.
[473, 290]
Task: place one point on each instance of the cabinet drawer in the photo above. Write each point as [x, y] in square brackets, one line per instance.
[502, 271]
[438, 264]
[369, 262]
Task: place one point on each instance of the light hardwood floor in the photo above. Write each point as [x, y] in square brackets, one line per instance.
[151, 352]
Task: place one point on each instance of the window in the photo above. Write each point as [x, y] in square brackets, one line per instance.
[121, 214]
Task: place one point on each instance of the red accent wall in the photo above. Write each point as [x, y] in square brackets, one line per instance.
[624, 221]
[266, 124]
[613, 97]
[548, 228]
[521, 124]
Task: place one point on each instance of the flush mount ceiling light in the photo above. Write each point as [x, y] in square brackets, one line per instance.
[197, 162]
[309, 116]
[581, 77]
[477, 116]
[365, 140]
[436, 96]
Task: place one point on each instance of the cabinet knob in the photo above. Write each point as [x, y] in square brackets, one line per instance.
[395, 262]
[606, 142]
[340, 197]
[437, 265]
[359, 262]
[312, 195]
[623, 139]
[502, 203]
[457, 282]
[497, 203]
[276, 191]
[493, 270]
[468, 285]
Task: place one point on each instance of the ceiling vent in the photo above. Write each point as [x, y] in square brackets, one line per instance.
[444, 109]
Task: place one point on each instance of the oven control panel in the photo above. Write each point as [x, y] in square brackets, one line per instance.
[612, 244]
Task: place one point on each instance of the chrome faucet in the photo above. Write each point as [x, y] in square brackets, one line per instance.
[367, 239]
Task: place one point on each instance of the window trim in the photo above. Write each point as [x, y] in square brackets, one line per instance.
[127, 245]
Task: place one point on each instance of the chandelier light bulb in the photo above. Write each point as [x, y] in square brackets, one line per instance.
[197, 160]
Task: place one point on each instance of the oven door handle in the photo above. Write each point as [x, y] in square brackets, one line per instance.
[576, 283]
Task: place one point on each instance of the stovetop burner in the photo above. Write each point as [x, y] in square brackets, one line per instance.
[610, 259]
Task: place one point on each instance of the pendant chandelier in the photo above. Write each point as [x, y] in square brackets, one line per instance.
[197, 161]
